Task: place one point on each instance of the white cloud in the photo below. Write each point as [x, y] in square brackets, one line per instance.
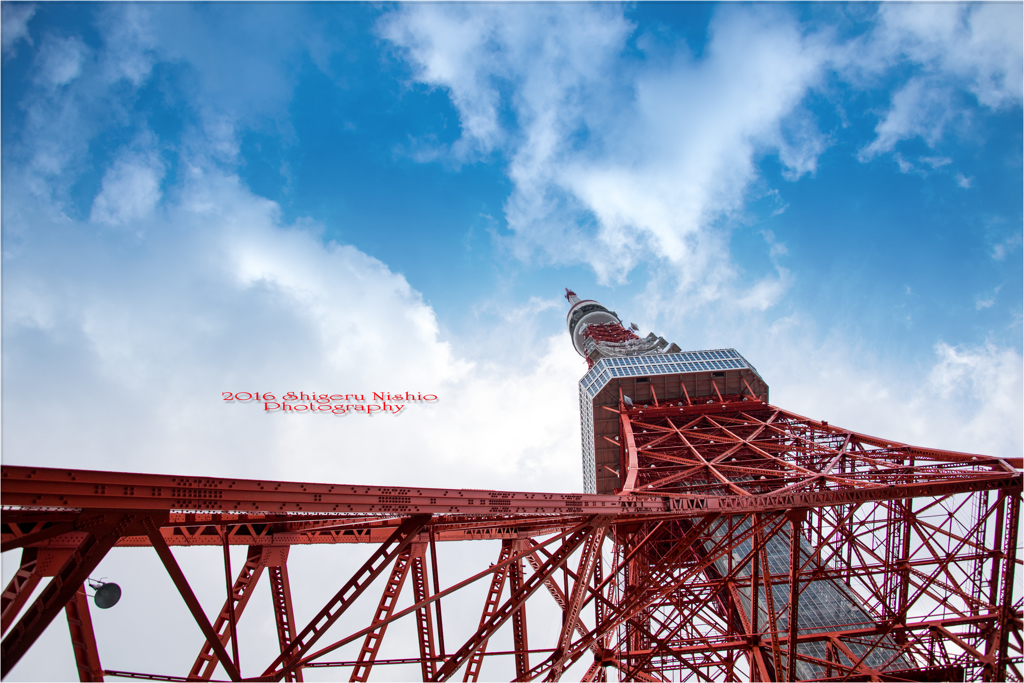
[905, 166]
[14, 26]
[767, 292]
[964, 181]
[130, 40]
[937, 162]
[987, 380]
[615, 164]
[59, 60]
[130, 190]
[921, 108]
[980, 44]
[1008, 245]
[988, 300]
[231, 72]
[977, 48]
[119, 348]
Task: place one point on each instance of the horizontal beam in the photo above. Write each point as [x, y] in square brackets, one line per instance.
[38, 487]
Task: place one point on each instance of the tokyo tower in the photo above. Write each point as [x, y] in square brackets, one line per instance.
[718, 537]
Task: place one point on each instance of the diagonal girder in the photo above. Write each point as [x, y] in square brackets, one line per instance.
[83, 639]
[105, 531]
[21, 585]
[590, 556]
[241, 590]
[385, 608]
[690, 609]
[341, 601]
[174, 571]
[490, 606]
[505, 611]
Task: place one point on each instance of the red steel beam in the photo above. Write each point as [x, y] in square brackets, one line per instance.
[424, 615]
[43, 487]
[181, 583]
[344, 598]
[490, 606]
[502, 614]
[37, 536]
[1007, 618]
[284, 617]
[53, 598]
[83, 639]
[309, 659]
[520, 635]
[239, 594]
[20, 587]
[385, 608]
[590, 555]
[795, 517]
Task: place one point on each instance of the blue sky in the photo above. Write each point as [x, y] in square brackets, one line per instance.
[200, 198]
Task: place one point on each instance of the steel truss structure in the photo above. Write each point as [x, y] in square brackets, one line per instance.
[747, 543]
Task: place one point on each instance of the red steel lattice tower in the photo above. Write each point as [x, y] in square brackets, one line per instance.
[719, 538]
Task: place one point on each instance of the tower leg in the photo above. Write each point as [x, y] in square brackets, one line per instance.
[424, 615]
[281, 594]
[83, 639]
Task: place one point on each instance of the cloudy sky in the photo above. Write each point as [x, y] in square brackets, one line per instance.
[353, 198]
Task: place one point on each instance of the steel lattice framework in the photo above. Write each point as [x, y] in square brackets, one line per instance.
[746, 543]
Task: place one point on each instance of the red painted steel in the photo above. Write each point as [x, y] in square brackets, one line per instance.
[83, 639]
[424, 616]
[276, 560]
[371, 645]
[520, 637]
[394, 546]
[748, 543]
[24, 581]
[181, 583]
[490, 607]
[239, 593]
[104, 532]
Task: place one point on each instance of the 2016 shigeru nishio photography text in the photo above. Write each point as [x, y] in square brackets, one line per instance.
[381, 402]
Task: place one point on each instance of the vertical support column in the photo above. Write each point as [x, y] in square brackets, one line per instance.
[1006, 611]
[730, 605]
[83, 639]
[385, 608]
[230, 600]
[758, 668]
[21, 586]
[591, 554]
[490, 605]
[599, 612]
[795, 518]
[424, 615]
[437, 589]
[238, 597]
[374, 566]
[520, 637]
[773, 621]
[281, 595]
[903, 591]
